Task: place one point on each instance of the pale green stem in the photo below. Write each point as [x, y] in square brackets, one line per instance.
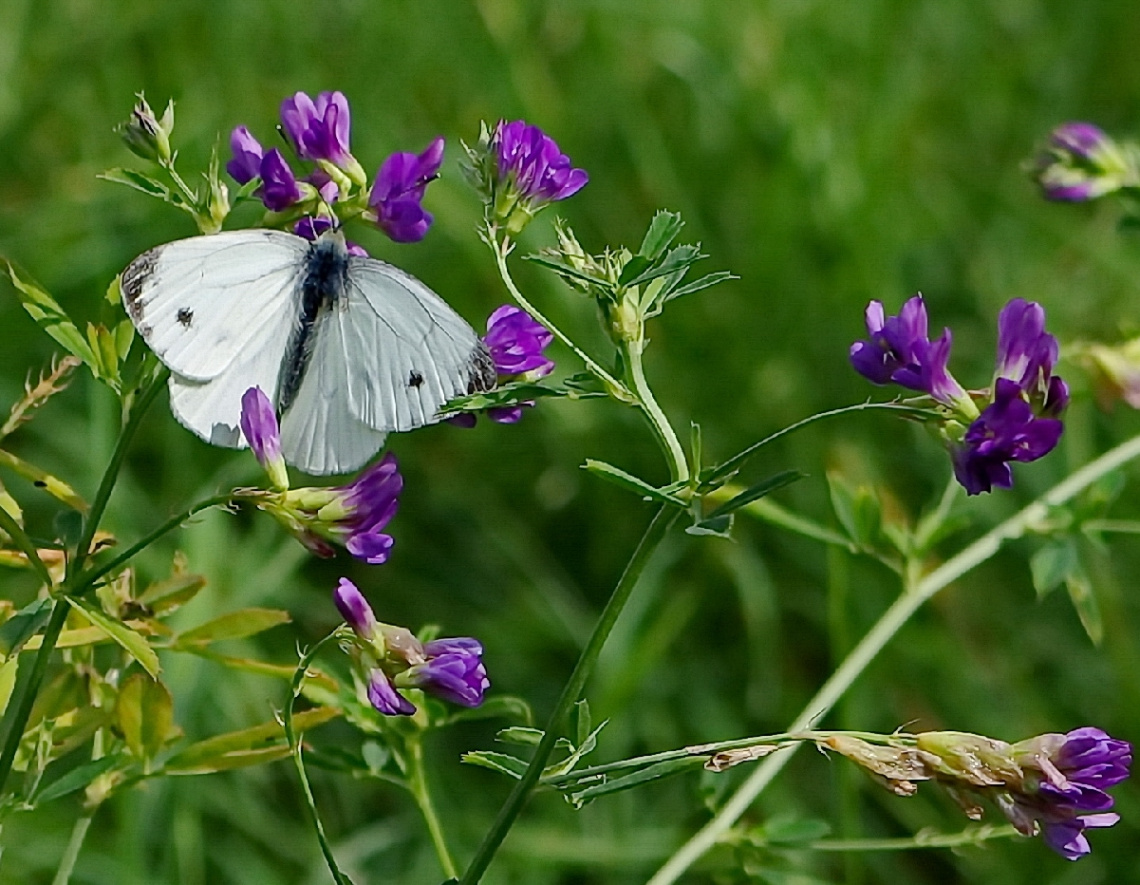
[74, 846]
[678, 463]
[970, 836]
[417, 784]
[871, 644]
[501, 251]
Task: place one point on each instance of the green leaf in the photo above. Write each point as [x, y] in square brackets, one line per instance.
[248, 746]
[50, 317]
[235, 625]
[76, 779]
[500, 707]
[663, 230]
[755, 493]
[144, 712]
[1084, 601]
[134, 643]
[650, 773]
[677, 261]
[23, 625]
[518, 734]
[500, 762]
[141, 182]
[587, 746]
[165, 596]
[788, 830]
[697, 285]
[583, 724]
[629, 482]
[717, 526]
[7, 681]
[566, 270]
[1053, 565]
[857, 509]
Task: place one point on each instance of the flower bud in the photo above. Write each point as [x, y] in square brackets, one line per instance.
[1082, 163]
[145, 135]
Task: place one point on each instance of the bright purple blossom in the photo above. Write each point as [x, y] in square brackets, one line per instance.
[355, 610]
[896, 346]
[398, 192]
[259, 426]
[312, 226]
[247, 153]
[1007, 430]
[383, 696]
[318, 129]
[279, 189]
[364, 507]
[529, 159]
[453, 671]
[1064, 792]
[516, 341]
[1026, 353]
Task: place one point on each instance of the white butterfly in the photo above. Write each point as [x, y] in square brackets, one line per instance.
[347, 348]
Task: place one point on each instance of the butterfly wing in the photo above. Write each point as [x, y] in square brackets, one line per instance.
[319, 432]
[406, 351]
[202, 303]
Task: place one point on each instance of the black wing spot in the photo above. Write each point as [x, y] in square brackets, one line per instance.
[185, 316]
[415, 379]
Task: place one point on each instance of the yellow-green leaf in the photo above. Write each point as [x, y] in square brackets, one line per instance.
[249, 746]
[145, 715]
[235, 625]
[50, 317]
[165, 596]
[134, 643]
[7, 680]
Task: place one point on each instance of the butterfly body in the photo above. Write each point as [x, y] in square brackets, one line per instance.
[348, 348]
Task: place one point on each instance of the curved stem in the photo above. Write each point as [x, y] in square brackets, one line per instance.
[662, 519]
[85, 581]
[417, 784]
[23, 707]
[879, 635]
[501, 251]
[678, 463]
[27, 547]
[74, 845]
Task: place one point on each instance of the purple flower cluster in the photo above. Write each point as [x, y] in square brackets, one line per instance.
[531, 172]
[393, 659]
[1064, 790]
[318, 130]
[352, 516]
[1019, 420]
[1082, 163]
[516, 341]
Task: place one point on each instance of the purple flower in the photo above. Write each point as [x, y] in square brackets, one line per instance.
[529, 173]
[1007, 430]
[516, 341]
[1064, 789]
[355, 610]
[1026, 353]
[318, 129]
[247, 153]
[383, 696]
[259, 426]
[312, 226]
[399, 190]
[453, 671]
[1082, 163]
[361, 509]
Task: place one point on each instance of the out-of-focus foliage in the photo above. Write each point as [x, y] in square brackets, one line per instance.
[827, 153]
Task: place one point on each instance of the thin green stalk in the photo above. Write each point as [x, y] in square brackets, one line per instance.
[678, 463]
[23, 706]
[871, 644]
[74, 845]
[662, 519]
[20, 537]
[500, 251]
[970, 836]
[111, 474]
[417, 784]
[295, 746]
[87, 580]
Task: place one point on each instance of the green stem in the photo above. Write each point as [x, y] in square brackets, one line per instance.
[871, 644]
[662, 519]
[20, 537]
[111, 474]
[87, 580]
[295, 746]
[74, 845]
[678, 463]
[417, 784]
[969, 836]
[23, 707]
[501, 251]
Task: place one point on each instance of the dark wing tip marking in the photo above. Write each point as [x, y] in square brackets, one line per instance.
[415, 379]
[134, 278]
[481, 374]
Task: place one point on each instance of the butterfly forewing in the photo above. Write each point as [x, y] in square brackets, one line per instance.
[199, 303]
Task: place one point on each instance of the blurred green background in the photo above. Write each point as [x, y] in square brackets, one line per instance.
[828, 153]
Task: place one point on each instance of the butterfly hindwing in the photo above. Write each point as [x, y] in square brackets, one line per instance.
[410, 351]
